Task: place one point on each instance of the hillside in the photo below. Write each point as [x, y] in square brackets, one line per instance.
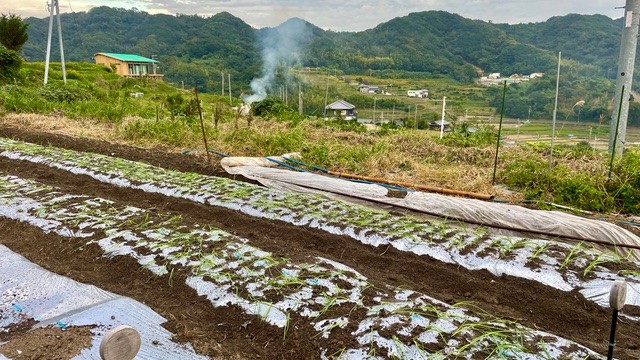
[435, 43]
[589, 39]
[178, 40]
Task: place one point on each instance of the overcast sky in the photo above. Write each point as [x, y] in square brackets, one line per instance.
[338, 15]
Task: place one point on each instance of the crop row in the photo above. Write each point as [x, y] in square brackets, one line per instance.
[229, 271]
[553, 263]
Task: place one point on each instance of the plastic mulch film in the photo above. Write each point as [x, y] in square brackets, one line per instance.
[512, 217]
[29, 291]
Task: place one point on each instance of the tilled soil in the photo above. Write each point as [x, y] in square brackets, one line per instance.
[230, 332]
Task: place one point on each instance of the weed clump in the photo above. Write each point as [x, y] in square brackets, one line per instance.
[592, 191]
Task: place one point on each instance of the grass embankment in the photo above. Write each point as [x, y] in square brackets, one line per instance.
[98, 103]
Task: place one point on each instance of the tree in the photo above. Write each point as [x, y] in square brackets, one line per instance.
[13, 32]
[10, 63]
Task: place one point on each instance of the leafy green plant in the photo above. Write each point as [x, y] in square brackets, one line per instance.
[58, 92]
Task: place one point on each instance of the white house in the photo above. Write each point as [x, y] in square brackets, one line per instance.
[422, 93]
[368, 89]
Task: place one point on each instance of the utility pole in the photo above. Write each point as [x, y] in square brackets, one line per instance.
[229, 88]
[222, 74]
[624, 79]
[54, 6]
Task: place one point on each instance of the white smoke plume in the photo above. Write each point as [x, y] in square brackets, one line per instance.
[280, 49]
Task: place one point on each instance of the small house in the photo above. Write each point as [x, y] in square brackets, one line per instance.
[342, 109]
[129, 65]
[368, 89]
[373, 90]
[421, 93]
[440, 124]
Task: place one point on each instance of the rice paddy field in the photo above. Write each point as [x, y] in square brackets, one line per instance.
[240, 271]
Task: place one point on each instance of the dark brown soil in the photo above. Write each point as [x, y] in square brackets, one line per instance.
[229, 332]
[51, 343]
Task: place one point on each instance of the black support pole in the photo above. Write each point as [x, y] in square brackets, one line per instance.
[612, 337]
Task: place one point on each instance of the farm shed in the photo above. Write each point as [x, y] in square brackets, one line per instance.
[129, 65]
[343, 109]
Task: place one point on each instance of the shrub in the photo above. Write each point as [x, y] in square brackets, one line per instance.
[625, 182]
[175, 104]
[559, 184]
[466, 135]
[275, 108]
[68, 93]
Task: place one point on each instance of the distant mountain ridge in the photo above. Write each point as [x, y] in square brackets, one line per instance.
[435, 43]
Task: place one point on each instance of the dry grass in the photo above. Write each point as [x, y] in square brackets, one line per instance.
[98, 130]
[405, 156]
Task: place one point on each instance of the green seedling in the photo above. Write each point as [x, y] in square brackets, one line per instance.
[598, 260]
[330, 328]
[571, 256]
[539, 251]
[286, 326]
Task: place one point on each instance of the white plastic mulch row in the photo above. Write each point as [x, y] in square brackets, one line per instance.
[229, 271]
[29, 291]
[560, 265]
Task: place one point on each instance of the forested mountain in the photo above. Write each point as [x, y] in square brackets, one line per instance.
[589, 39]
[437, 43]
[434, 43]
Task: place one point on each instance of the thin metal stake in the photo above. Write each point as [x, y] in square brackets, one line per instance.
[495, 162]
[204, 135]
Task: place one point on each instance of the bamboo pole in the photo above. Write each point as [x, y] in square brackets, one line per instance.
[413, 186]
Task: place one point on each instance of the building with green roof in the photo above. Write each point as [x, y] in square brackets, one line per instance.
[129, 65]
